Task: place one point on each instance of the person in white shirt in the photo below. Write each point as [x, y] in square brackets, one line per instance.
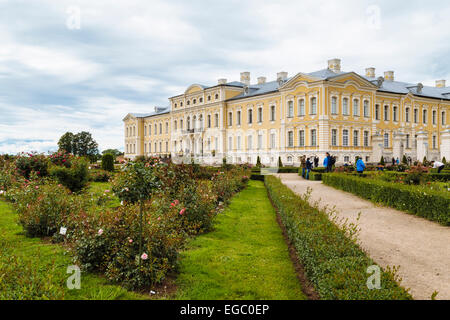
[438, 165]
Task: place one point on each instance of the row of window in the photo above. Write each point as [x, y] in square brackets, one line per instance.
[200, 100]
[130, 132]
[155, 130]
[395, 115]
[194, 122]
[148, 148]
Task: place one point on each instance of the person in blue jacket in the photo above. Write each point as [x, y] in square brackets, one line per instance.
[360, 166]
[327, 162]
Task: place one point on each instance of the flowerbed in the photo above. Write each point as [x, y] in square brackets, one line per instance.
[419, 200]
[333, 261]
[137, 243]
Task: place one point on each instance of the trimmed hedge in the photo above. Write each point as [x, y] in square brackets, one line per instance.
[258, 177]
[315, 176]
[421, 201]
[288, 170]
[333, 262]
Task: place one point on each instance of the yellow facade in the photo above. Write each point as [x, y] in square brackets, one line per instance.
[343, 113]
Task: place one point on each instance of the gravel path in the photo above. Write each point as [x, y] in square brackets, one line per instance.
[392, 238]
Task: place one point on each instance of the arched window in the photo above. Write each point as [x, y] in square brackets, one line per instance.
[216, 96]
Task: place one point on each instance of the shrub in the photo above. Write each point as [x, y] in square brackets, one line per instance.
[315, 176]
[404, 160]
[333, 261]
[9, 177]
[258, 161]
[44, 208]
[280, 164]
[32, 162]
[74, 178]
[98, 175]
[422, 201]
[108, 162]
[61, 158]
[382, 161]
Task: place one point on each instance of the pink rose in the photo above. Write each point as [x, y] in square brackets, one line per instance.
[100, 232]
[182, 211]
[130, 240]
[144, 256]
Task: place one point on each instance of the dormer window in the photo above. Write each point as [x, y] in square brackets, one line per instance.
[200, 100]
[194, 101]
[188, 102]
[209, 98]
[216, 96]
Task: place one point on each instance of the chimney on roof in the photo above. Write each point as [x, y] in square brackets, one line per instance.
[261, 80]
[370, 72]
[282, 76]
[440, 83]
[389, 76]
[334, 65]
[222, 81]
[245, 78]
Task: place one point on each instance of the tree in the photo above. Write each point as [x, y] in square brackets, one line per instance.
[84, 145]
[444, 161]
[108, 162]
[114, 152]
[280, 164]
[258, 162]
[66, 142]
[404, 160]
[382, 161]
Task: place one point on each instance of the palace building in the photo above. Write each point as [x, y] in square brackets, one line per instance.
[344, 113]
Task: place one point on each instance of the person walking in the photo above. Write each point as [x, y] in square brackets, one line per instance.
[398, 161]
[438, 165]
[303, 165]
[327, 163]
[360, 166]
[308, 168]
[316, 161]
[393, 161]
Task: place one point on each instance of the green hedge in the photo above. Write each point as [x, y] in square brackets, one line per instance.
[288, 170]
[334, 263]
[421, 201]
[258, 177]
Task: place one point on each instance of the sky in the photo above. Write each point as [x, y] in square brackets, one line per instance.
[84, 65]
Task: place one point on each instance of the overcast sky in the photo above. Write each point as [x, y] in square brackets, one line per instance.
[83, 65]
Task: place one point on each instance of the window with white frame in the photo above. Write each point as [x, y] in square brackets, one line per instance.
[301, 107]
[434, 117]
[334, 105]
[416, 116]
[407, 141]
[238, 117]
[407, 114]
[230, 143]
[272, 141]
[290, 138]
[216, 143]
[355, 138]
[301, 138]
[250, 116]
[345, 138]
[424, 116]
[250, 142]
[239, 142]
[386, 140]
[145, 130]
[366, 138]
[230, 119]
[346, 158]
[386, 113]
[355, 107]
[443, 118]
[366, 109]
[313, 105]
[208, 121]
[434, 142]
[313, 137]
[260, 114]
[377, 112]
[272, 113]
[345, 110]
[290, 109]
[167, 127]
[395, 113]
[334, 137]
[260, 141]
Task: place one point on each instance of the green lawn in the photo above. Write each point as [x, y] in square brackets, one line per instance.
[245, 257]
[31, 268]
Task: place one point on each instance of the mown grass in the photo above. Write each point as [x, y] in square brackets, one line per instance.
[245, 257]
[32, 268]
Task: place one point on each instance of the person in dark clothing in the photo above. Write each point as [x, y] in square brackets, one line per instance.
[328, 163]
[308, 168]
[316, 162]
[393, 161]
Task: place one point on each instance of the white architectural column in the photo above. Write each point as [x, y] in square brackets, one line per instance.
[422, 145]
[377, 147]
[399, 145]
[445, 144]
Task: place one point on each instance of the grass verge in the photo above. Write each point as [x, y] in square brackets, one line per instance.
[245, 257]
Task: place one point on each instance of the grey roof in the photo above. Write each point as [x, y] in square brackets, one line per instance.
[158, 111]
